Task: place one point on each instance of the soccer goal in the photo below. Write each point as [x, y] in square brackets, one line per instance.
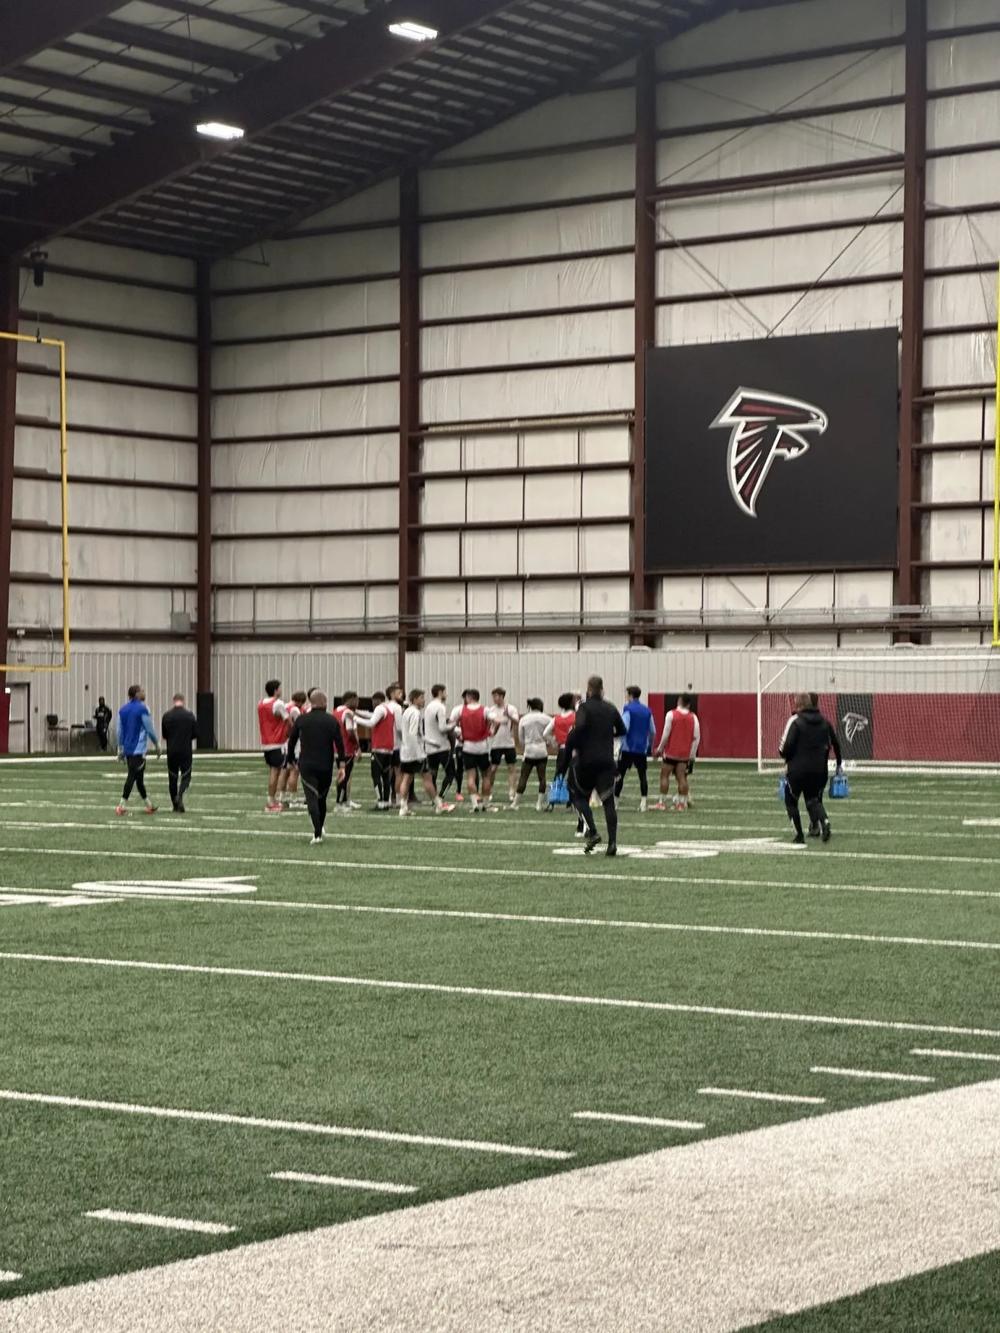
[893, 711]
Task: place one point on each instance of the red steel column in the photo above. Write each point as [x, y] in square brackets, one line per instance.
[645, 319]
[9, 281]
[204, 623]
[409, 414]
[912, 350]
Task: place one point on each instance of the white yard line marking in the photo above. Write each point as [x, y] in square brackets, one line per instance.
[654, 1122]
[518, 918]
[493, 993]
[284, 1126]
[762, 1096]
[166, 1223]
[955, 1055]
[612, 877]
[7, 1276]
[885, 1075]
[151, 827]
[344, 1182]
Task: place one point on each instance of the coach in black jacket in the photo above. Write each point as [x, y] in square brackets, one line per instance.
[320, 738]
[805, 747]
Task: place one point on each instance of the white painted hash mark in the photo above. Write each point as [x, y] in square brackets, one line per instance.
[654, 1122]
[166, 1223]
[885, 1074]
[7, 1276]
[956, 1055]
[344, 1182]
[494, 993]
[762, 1096]
[288, 1126]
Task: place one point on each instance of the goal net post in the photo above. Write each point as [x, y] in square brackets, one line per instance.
[899, 711]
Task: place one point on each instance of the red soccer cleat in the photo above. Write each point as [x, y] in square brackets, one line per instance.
[149, 810]
[121, 810]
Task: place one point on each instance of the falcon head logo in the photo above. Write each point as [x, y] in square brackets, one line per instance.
[854, 725]
[763, 427]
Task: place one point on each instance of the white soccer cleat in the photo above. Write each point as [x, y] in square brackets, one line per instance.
[316, 841]
[642, 805]
[542, 804]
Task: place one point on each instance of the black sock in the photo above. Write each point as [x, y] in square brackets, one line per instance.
[792, 806]
[611, 815]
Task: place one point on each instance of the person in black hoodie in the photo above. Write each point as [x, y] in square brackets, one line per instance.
[805, 746]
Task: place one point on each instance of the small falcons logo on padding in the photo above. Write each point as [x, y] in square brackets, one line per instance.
[763, 427]
[854, 725]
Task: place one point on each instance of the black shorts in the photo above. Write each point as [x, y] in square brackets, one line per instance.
[413, 766]
[508, 755]
[290, 763]
[675, 764]
[587, 778]
[275, 758]
[395, 759]
[476, 763]
[438, 760]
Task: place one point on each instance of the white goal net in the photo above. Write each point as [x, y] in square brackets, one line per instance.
[895, 710]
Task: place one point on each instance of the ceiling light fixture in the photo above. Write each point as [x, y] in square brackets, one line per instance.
[217, 129]
[413, 32]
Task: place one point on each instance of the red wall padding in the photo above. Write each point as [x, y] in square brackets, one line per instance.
[728, 724]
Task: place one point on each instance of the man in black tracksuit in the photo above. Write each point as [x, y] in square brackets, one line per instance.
[180, 728]
[319, 737]
[592, 743]
[805, 746]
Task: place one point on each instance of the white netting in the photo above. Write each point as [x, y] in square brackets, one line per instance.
[897, 710]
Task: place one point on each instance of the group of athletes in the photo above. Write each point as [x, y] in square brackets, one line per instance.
[485, 755]
[416, 742]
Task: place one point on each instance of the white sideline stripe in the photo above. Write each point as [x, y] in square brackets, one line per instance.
[150, 826]
[655, 1121]
[7, 1276]
[343, 1182]
[612, 877]
[518, 918]
[887, 1076]
[762, 1096]
[284, 1126]
[955, 1055]
[166, 1223]
[493, 993]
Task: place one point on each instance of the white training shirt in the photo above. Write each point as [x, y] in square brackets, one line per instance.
[532, 730]
[436, 727]
[411, 747]
[505, 718]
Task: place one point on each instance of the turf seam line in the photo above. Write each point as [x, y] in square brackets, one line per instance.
[285, 1126]
[495, 993]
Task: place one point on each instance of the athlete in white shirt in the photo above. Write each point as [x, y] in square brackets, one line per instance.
[438, 731]
[503, 719]
[532, 730]
[413, 756]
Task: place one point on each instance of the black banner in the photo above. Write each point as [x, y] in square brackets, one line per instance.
[856, 725]
[773, 453]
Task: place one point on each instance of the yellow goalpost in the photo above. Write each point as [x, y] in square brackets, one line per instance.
[22, 668]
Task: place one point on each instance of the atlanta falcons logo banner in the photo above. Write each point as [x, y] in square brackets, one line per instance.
[775, 453]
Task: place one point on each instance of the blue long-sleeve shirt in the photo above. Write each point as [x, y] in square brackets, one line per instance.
[135, 728]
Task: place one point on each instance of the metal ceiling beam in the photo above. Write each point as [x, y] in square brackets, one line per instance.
[268, 95]
[30, 28]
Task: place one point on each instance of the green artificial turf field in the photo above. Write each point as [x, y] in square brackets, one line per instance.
[429, 1004]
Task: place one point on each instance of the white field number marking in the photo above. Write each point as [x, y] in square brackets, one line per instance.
[343, 1182]
[166, 1223]
[698, 850]
[18, 899]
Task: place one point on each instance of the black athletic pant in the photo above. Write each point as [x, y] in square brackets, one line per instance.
[451, 774]
[344, 785]
[811, 786]
[102, 737]
[639, 762]
[540, 766]
[382, 775]
[136, 776]
[584, 779]
[179, 775]
[317, 784]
